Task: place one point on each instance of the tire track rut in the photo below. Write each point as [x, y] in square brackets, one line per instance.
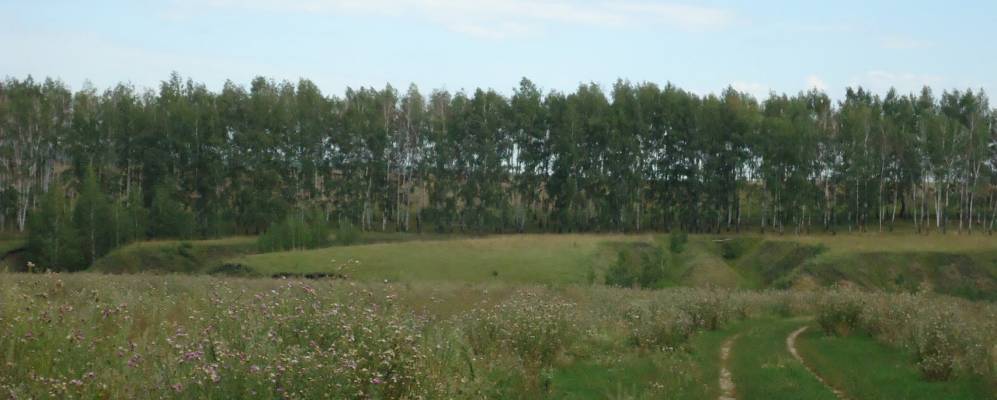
[791, 346]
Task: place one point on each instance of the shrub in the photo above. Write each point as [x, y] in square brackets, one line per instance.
[301, 230]
[733, 248]
[838, 312]
[347, 233]
[638, 264]
[677, 240]
[935, 345]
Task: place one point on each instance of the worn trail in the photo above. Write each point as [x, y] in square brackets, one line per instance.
[727, 388]
[791, 346]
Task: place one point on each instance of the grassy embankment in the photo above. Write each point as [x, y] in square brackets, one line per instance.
[964, 266]
[202, 256]
[506, 258]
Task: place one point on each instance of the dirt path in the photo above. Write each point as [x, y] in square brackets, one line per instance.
[791, 346]
[727, 391]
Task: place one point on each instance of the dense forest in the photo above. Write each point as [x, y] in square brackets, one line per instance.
[104, 168]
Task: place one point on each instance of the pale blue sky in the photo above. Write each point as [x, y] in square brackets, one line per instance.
[703, 46]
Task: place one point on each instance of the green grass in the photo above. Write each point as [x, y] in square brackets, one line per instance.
[963, 265]
[633, 376]
[206, 256]
[511, 258]
[960, 265]
[867, 369]
[7, 245]
[763, 368]
[173, 256]
[703, 266]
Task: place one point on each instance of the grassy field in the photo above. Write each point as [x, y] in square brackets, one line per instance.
[174, 336]
[508, 258]
[204, 337]
[512, 316]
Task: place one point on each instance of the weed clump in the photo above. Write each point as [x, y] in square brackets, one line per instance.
[838, 313]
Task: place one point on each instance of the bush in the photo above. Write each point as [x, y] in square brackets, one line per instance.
[733, 248]
[639, 264]
[302, 230]
[838, 312]
[935, 346]
[347, 233]
[677, 241]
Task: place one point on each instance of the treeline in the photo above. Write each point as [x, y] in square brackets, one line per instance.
[642, 157]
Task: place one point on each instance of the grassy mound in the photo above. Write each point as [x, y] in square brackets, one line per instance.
[172, 256]
[7, 246]
[512, 258]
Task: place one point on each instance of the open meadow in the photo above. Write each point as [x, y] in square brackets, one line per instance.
[513, 316]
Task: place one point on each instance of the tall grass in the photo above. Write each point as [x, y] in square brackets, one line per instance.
[945, 336]
[98, 336]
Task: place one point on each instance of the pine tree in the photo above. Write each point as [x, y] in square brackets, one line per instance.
[53, 242]
[168, 217]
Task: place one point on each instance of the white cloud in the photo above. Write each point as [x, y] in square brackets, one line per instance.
[905, 82]
[500, 19]
[758, 90]
[903, 43]
[815, 82]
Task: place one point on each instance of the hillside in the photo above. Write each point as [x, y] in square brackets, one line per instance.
[964, 266]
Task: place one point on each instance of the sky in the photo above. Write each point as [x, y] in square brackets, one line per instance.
[703, 46]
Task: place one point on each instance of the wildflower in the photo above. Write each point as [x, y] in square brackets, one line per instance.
[177, 387]
[193, 355]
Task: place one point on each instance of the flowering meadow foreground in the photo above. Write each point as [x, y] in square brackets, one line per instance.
[100, 336]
